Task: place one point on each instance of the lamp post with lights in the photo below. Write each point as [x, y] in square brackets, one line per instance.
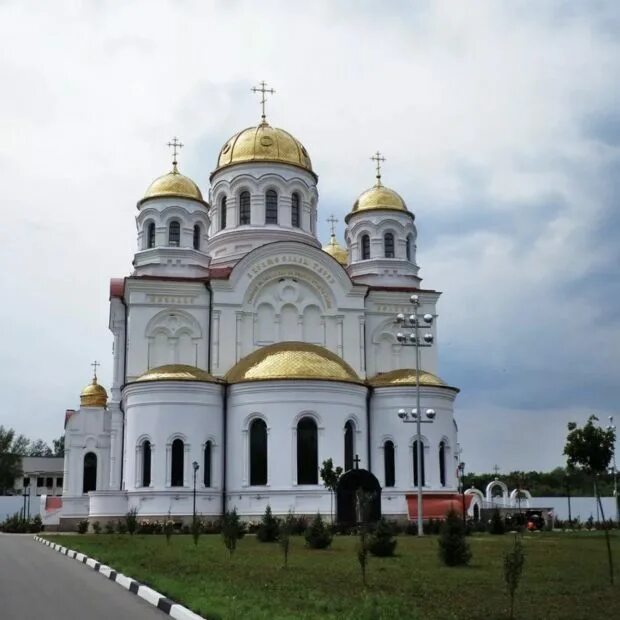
[412, 339]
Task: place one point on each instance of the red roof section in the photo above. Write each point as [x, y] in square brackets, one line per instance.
[117, 287]
[436, 505]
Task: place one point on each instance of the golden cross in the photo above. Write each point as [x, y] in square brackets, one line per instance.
[332, 222]
[262, 89]
[378, 158]
[94, 365]
[175, 144]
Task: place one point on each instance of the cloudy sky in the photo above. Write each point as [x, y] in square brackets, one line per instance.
[500, 122]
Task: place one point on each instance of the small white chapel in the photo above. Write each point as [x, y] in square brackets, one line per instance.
[246, 353]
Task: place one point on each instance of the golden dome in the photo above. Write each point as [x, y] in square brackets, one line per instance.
[93, 395]
[334, 249]
[378, 198]
[177, 372]
[173, 184]
[292, 360]
[407, 377]
[264, 143]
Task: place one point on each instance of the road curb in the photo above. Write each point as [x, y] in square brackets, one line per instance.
[163, 603]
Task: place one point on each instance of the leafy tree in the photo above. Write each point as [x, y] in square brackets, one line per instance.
[382, 542]
[453, 547]
[269, 528]
[590, 449]
[513, 568]
[12, 448]
[59, 446]
[39, 448]
[232, 530]
[330, 477]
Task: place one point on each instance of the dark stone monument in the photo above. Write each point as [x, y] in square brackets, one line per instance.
[349, 509]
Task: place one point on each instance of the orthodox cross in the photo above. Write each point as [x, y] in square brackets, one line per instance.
[332, 222]
[496, 470]
[175, 144]
[94, 365]
[356, 461]
[377, 157]
[262, 89]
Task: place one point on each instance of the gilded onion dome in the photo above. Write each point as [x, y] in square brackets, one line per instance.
[335, 250]
[379, 198]
[173, 184]
[407, 377]
[176, 372]
[264, 143]
[292, 360]
[93, 395]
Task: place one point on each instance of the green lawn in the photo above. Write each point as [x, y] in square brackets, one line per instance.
[565, 577]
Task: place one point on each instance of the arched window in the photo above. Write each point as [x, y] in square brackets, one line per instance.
[409, 247]
[365, 247]
[388, 463]
[90, 472]
[295, 211]
[349, 444]
[442, 463]
[176, 467]
[174, 234]
[418, 443]
[150, 235]
[271, 207]
[146, 463]
[207, 464]
[307, 452]
[196, 236]
[244, 208]
[388, 245]
[223, 210]
[258, 452]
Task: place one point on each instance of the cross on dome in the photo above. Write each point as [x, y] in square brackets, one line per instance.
[94, 365]
[175, 144]
[356, 461]
[264, 90]
[378, 158]
[332, 221]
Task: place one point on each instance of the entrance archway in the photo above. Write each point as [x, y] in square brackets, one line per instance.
[351, 506]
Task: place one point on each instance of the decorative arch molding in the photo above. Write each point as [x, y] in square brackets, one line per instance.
[525, 500]
[424, 439]
[308, 414]
[387, 437]
[174, 436]
[142, 438]
[352, 417]
[255, 415]
[173, 322]
[476, 493]
[492, 485]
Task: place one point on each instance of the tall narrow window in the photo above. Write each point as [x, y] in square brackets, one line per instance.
[388, 245]
[365, 247]
[271, 207]
[258, 452]
[146, 463]
[90, 472]
[223, 210]
[295, 211]
[174, 234]
[197, 237]
[409, 247]
[442, 463]
[176, 467]
[388, 463]
[418, 444]
[207, 464]
[244, 208]
[349, 444]
[307, 452]
[150, 235]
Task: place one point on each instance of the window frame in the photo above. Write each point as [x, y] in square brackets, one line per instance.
[245, 211]
[295, 210]
[271, 206]
[172, 243]
[389, 249]
[365, 247]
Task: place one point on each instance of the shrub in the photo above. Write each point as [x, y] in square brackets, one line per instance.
[36, 525]
[411, 529]
[232, 530]
[300, 525]
[453, 547]
[381, 542]
[82, 526]
[269, 528]
[196, 529]
[97, 527]
[513, 568]
[317, 534]
[121, 527]
[109, 527]
[286, 528]
[131, 521]
[496, 524]
[168, 528]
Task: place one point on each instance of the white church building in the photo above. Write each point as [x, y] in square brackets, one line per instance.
[246, 354]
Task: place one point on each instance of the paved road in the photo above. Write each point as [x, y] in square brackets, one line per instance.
[37, 583]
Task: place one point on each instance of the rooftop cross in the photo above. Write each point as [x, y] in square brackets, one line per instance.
[496, 469]
[356, 461]
[377, 157]
[262, 89]
[94, 365]
[332, 222]
[175, 144]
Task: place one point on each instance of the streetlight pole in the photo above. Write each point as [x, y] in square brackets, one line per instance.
[461, 468]
[612, 427]
[413, 339]
[196, 467]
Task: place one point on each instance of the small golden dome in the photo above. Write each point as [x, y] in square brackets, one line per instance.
[264, 143]
[93, 395]
[334, 249]
[176, 372]
[407, 377]
[378, 198]
[173, 184]
[292, 360]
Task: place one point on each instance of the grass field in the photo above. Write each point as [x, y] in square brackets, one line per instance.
[565, 577]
